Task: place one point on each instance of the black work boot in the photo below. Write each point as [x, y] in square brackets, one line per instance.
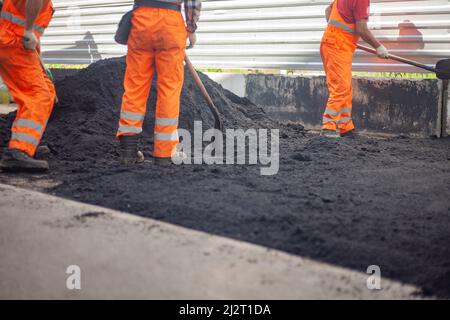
[14, 160]
[129, 152]
[177, 159]
[352, 134]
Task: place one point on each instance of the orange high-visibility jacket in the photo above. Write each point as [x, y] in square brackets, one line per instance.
[13, 17]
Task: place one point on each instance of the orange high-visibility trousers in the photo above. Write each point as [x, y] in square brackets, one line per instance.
[157, 41]
[31, 89]
[337, 49]
[338, 70]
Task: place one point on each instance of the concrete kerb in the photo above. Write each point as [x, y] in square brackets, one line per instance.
[125, 256]
[388, 106]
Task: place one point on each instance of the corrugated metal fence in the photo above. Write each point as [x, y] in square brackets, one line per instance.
[280, 34]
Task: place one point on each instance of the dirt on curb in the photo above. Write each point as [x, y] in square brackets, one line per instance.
[349, 202]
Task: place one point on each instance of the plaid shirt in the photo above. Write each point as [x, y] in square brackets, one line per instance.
[192, 9]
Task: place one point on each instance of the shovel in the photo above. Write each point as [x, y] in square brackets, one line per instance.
[442, 68]
[218, 120]
[47, 71]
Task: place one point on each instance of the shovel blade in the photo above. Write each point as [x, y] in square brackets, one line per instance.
[443, 69]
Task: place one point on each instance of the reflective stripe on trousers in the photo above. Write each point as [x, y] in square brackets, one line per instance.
[129, 129]
[130, 122]
[335, 113]
[340, 121]
[166, 121]
[21, 131]
[342, 116]
[132, 116]
[19, 21]
[24, 137]
[167, 136]
[28, 124]
[140, 117]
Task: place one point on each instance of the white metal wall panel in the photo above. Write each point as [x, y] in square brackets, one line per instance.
[280, 34]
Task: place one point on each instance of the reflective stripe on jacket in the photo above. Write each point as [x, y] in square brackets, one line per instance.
[13, 16]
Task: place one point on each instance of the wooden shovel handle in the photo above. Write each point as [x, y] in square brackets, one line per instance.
[44, 69]
[400, 59]
[201, 86]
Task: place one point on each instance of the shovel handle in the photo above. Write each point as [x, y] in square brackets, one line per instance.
[400, 59]
[198, 81]
[201, 86]
[41, 61]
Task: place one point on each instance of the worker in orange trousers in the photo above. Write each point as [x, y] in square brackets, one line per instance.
[22, 22]
[157, 42]
[347, 22]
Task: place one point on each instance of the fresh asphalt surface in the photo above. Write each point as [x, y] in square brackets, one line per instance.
[351, 203]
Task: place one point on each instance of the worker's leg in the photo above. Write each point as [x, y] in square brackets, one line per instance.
[345, 59]
[170, 68]
[34, 93]
[338, 66]
[138, 79]
[345, 123]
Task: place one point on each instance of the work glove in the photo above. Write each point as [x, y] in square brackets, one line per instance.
[382, 52]
[192, 40]
[29, 40]
[49, 74]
